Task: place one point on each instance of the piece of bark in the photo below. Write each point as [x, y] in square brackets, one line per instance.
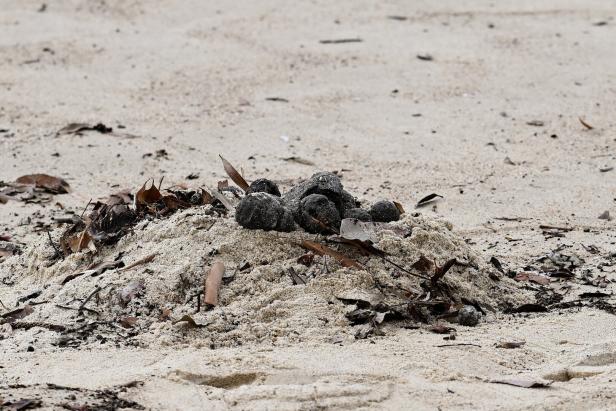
[212, 283]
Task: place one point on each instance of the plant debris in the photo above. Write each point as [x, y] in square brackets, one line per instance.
[341, 41]
[585, 124]
[76, 128]
[428, 199]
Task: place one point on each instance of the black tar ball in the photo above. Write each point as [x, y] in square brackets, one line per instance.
[319, 207]
[263, 185]
[384, 212]
[264, 211]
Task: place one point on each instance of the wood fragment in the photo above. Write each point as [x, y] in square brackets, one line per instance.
[585, 124]
[212, 283]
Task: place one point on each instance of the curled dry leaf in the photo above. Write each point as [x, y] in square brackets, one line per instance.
[54, 185]
[212, 283]
[324, 250]
[532, 277]
[428, 199]
[146, 196]
[399, 207]
[234, 175]
[128, 322]
[188, 320]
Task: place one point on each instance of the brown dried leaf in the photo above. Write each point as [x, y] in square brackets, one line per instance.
[510, 344]
[54, 185]
[79, 242]
[423, 264]
[146, 196]
[212, 283]
[441, 329]
[17, 314]
[399, 207]
[206, 198]
[235, 176]
[128, 322]
[324, 250]
[532, 277]
[189, 320]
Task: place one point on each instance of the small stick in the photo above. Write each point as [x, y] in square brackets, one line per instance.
[212, 283]
[53, 245]
[456, 345]
[144, 260]
[85, 208]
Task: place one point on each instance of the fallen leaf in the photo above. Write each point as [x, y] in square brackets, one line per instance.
[128, 322]
[425, 57]
[17, 314]
[54, 185]
[535, 123]
[296, 278]
[428, 199]
[441, 329]
[585, 124]
[146, 196]
[324, 250]
[528, 308]
[510, 344]
[340, 41]
[189, 320]
[497, 264]
[306, 259]
[234, 175]
[423, 264]
[74, 128]
[605, 216]
[298, 160]
[522, 383]
[399, 207]
[221, 197]
[532, 277]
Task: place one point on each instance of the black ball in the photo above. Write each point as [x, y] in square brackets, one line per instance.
[263, 185]
[318, 207]
[384, 212]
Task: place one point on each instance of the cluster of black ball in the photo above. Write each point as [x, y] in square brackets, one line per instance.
[316, 205]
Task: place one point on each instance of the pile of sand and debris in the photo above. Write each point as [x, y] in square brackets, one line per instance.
[280, 287]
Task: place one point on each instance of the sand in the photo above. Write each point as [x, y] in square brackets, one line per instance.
[193, 79]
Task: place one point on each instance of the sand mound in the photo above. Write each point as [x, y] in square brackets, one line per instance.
[258, 300]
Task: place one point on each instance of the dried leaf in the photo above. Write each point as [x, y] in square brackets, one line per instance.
[399, 207]
[425, 57]
[535, 123]
[235, 176]
[299, 160]
[605, 216]
[522, 383]
[189, 320]
[440, 272]
[17, 314]
[224, 200]
[54, 185]
[324, 250]
[146, 196]
[428, 199]
[532, 277]
[212, 283]
[585, 124]
[306, 259]
[79, 242]
[497, 264]
[529, 308]
[74, 128]
[441, 329]
[128, 322]
[206, 198]
[510, 344]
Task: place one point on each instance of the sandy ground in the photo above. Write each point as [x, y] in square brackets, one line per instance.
[194, 79]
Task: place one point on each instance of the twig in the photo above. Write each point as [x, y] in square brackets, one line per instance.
[66, 307]
[96, 290]
[28, 325]
[144, 260]
[458, 344]
[85, 208]
[54, 246]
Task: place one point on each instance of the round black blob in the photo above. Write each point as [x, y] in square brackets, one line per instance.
[320, 208]
[263, 185]
[384, 212]
[358, 213]
[264, 211]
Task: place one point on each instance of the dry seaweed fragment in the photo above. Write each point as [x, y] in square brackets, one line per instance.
[522, 383]
[510, 344]
[324, 250]
[234, 175]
